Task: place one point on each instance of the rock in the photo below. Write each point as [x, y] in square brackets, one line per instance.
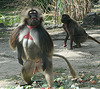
[98, 76]
[92, 19]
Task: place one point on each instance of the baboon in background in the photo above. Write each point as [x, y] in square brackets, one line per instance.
[75, 31]
[35, 47]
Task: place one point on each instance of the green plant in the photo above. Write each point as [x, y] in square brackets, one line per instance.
[9, 20]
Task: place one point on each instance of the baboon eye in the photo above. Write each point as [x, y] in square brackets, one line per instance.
[30, 12]
[33, 12]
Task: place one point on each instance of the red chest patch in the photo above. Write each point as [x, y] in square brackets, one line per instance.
[28, 36]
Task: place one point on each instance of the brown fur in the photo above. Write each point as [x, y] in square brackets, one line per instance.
[41, 50]
[14, 37]
[75, 31]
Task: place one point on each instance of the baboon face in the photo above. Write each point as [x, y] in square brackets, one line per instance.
[33, 18]
[65, 18]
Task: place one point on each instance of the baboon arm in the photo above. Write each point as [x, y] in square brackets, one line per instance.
[14, 43]
[44, 61]
[66, 38]
[20, 50]
[14, 39]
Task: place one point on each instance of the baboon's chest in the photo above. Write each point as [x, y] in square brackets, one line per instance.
[28, 40]
[31, 49]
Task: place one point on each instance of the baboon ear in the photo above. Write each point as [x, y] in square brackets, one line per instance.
[41, 19]
[24, 21]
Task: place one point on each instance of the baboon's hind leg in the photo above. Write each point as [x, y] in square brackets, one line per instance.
[27, 71]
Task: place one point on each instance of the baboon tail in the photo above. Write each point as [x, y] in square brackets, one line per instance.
[89, 37]
[73, 73]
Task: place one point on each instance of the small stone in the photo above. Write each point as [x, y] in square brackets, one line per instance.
[98, 76]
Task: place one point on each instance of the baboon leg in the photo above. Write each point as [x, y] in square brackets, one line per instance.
[27, 71]
[71, 42]
[49, 74]
[65, 41]
[77, 45]
[49, 78]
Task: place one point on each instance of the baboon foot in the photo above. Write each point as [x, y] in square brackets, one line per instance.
[77, 46]
[64, 45]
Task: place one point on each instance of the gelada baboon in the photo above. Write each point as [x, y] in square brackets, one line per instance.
[35, 46]
[75, 31]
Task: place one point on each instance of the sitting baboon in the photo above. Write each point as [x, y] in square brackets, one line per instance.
[75, 31]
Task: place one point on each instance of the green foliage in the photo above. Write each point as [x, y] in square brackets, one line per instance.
[1, 18]
[68, 84]
[9, 20]
[41, 3]
[9, 16]
[60, 6]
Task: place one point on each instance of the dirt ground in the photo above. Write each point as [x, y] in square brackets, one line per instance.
[86, 59]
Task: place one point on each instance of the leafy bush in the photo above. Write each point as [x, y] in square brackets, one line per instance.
[9, 20]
